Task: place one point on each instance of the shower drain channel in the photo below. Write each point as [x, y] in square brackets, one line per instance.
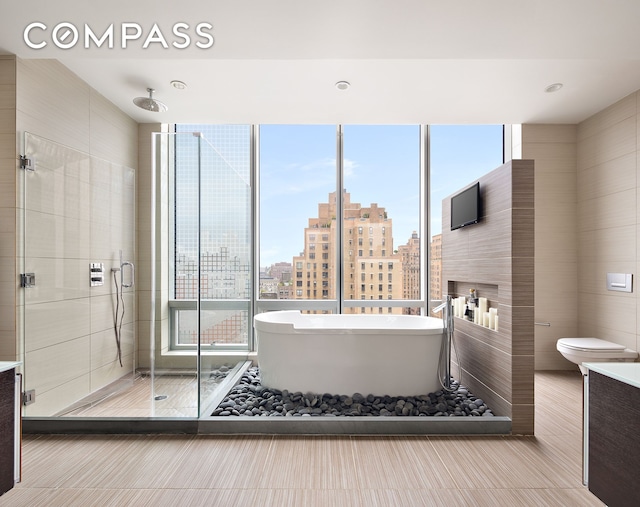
[160, 397]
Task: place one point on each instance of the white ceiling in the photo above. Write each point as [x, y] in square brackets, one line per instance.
[408, 61]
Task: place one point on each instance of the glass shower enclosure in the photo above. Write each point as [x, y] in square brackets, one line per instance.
[78, 229]
[135, 285]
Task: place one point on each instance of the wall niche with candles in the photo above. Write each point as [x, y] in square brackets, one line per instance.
[496, 258]
[478, 303]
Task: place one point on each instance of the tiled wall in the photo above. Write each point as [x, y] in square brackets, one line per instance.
[70, 352]
[553, 147]
[8, 273]
[608, 191]
[496, 256]
[587, 224]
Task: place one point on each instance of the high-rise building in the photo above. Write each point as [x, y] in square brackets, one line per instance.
[410, 254]
[371, 269]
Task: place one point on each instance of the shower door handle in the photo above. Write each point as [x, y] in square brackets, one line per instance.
[132, 278]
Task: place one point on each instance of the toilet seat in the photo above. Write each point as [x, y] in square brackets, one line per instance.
[590, 345]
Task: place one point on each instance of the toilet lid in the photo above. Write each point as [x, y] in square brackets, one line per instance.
[589, 344]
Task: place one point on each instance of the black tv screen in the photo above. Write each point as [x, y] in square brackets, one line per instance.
[465, 207]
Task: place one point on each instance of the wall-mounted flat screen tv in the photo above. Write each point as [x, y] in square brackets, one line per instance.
[465, 207]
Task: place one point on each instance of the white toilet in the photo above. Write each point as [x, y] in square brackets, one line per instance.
[593, 350]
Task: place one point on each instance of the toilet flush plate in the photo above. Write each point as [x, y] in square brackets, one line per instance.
[621, 282]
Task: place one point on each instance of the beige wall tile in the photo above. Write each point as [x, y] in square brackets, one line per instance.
[48, 324]
[550, 359]
[7, 316]
[612, 210]
[8, 98]
[620, 111]
[7, 70]
[104, 370]
[611, 245]
[50, 401]
[51, 235]
[7, 121]
[103, 311]
[58, 111]
[609, 316]
[613, 142]
[547, 134]
[57, 279]
[556, 187]
[610, 177]
[53, 366]
[113, 134]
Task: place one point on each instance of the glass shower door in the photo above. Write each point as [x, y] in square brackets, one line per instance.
[206, 282]
[78, 214]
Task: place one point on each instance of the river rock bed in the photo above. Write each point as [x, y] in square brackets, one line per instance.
[250, 398]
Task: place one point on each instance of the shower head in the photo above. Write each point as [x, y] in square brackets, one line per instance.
[149, 103]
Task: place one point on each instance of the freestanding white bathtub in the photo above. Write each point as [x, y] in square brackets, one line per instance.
[395, 355]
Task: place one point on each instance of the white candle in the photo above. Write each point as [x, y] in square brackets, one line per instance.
[476, 315]
[493, 313]
[482, 304]
[485, 319]
[495, 322]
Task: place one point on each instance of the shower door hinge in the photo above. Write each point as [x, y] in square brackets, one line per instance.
[26, 163]
[29, 397]
[27, 280]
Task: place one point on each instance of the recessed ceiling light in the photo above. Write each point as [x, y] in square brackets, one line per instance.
[553, 87]
[178, 85]
[343, 85]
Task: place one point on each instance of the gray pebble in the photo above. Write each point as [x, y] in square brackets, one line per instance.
[250, 399]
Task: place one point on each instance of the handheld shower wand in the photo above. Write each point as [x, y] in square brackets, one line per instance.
[119, 316]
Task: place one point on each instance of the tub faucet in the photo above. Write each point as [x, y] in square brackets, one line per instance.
[440, 306]
[447, 318]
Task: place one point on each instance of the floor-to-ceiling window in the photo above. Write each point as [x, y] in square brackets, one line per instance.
[382, 225]
[323, 219]
[297, 174]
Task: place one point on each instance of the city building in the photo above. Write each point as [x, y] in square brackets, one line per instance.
[281, 271]
[436, 268]
[372, 270]
[410, 254]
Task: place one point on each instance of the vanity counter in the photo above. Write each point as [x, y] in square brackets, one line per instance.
[611, 432]
[629, 373]
[8, 365]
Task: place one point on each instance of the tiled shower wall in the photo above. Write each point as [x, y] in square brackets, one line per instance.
[74, 354]
[69, 337]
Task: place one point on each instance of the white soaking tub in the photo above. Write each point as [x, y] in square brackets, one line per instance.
[395, 355]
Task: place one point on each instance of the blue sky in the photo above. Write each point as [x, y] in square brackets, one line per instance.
[297, 171]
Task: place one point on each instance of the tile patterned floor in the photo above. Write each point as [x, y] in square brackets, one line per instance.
[190, 470]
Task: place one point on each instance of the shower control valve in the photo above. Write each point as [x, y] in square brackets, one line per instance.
[96, 271]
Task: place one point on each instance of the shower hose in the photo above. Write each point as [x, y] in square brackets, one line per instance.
[119, 315]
